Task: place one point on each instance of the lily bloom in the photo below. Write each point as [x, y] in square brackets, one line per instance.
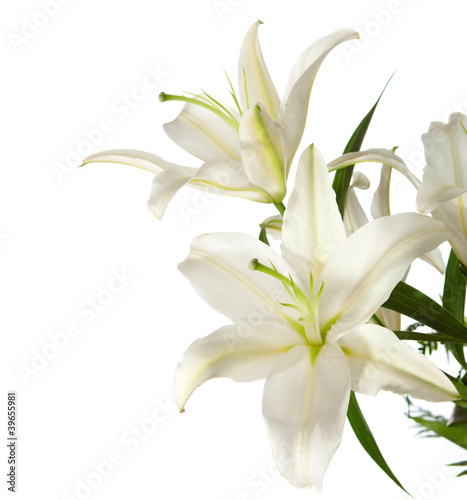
[355, 217]
[443, 191]
[246, 151]
[299, 320]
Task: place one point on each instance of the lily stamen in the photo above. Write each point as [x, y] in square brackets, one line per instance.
[307, 308]
[230, 120]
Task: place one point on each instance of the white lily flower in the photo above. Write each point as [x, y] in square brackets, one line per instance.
[299, 320]
[443, 191]
[247, 151]
[355, 217]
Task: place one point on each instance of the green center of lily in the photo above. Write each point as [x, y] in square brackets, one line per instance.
[307, 306]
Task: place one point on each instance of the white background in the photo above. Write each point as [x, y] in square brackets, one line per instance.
[62, 237]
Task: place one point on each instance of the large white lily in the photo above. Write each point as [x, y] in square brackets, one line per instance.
[443, 191]
[300, 320]
[247, 151]
[355, 217]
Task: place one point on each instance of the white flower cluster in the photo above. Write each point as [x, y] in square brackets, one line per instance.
[309, 321]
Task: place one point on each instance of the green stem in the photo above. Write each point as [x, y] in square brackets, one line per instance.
[281, 207]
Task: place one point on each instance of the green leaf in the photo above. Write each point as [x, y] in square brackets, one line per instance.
[365, 436]
[343, 176]
[463, 463]
[427, 337]
[460, 386]
[454, 301]
[438, 425]
[411, 302]
[458, 464]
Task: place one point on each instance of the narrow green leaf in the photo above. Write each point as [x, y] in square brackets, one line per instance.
[427, 337]
[411, 302]
[438, 425]
[454, 301]
[343, 176]
[459, 464]
[463, 463]
[365, 436]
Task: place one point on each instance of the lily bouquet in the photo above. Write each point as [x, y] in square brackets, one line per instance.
[321, 320]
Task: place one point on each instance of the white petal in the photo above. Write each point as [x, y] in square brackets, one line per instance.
[379, 360]
[445, 149]
[360, 276]
[313, 227]
[133, 158]
[263, 149]
[436, 189]
[380, 206]
[454, 214]
[217, 267]
[251, 64]
[390, 319]
[294, 106]
[435, 259]
[165, 186]
[360, 181]
[228, 178]
[241, 353]
[273, 226]
[305, 407]
[354, 215]
[203, 134]
[383, 156]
